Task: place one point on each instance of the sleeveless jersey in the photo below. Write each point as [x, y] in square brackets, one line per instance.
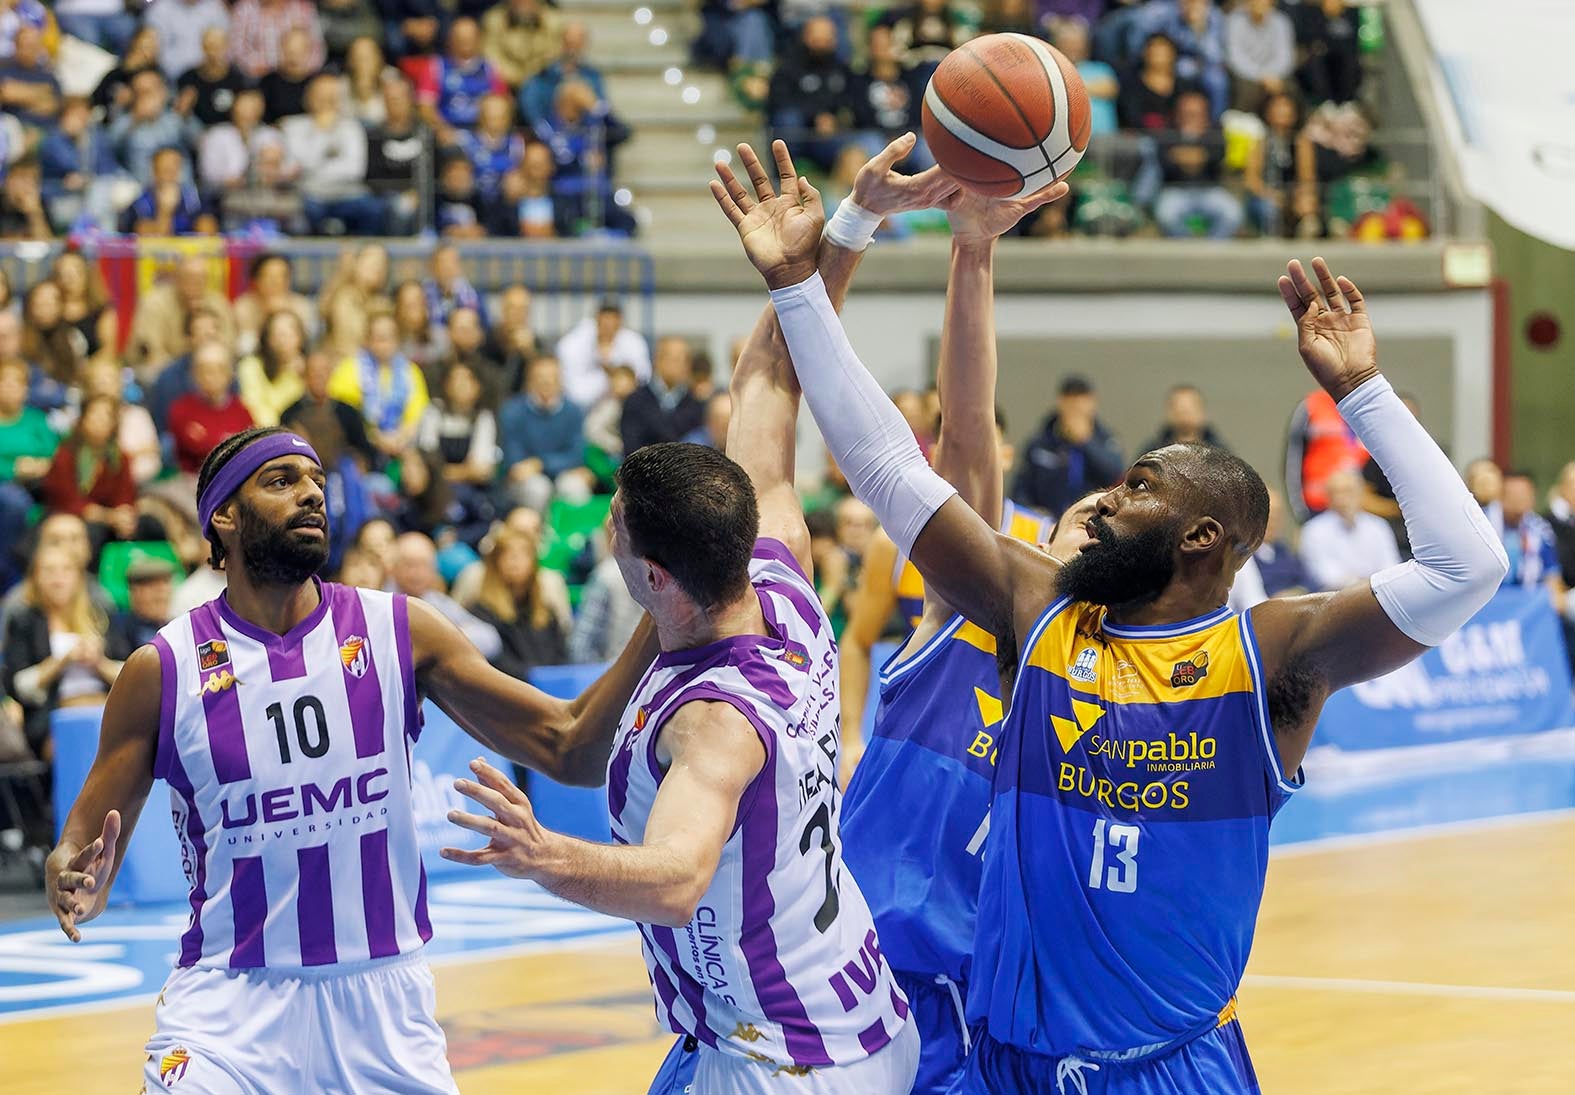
[781, 961]
[1019, 522]
[931, 749]
[1129, 834]
[461, 89]
[288, 763]
[491, 161]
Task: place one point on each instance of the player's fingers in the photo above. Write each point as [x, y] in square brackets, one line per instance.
[499, 782]
[808, 196]
[1327, 282]
[1353, 295]
[478, 858]
[729, 207]
[1306, 291]
[735, 189]
[785, 168]
[757, 173]
[486, 826]
[70, 881]
[87, 855]
[482, 796]
[1288, 295]
[65, 920]
[1053, 192]
[896, 150]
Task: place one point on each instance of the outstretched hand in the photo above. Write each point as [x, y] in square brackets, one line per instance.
[780, 232]
[978, 219]
[517, 841]
[1333, 333]
[78, 882]
[880, 189]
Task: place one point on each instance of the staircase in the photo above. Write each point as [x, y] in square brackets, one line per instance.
[682, 119]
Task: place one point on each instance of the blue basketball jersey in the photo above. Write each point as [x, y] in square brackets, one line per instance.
[917, 810]
[1129, 839]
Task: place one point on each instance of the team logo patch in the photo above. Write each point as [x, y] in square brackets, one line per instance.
[1085, 669]
[640, 718]
[796, 658]
[219, 682]
[352, 652]
[212, 654]
[173, 1066]
[1188, 673]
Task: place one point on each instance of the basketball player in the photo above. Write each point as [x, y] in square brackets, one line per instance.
[1152, 734]
[934, 739]
[282, 715]
[722, 785]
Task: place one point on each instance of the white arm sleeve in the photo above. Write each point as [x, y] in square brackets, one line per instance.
[868, 437]
[1459, 561]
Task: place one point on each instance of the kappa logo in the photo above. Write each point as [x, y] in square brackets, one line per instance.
[353, 653]
[1085, 669]
[173, 1065]
[219, 682]
[212, 654]
[1188, 673]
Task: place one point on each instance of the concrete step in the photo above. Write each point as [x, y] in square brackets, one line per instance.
[647, 156]
[656, 59]
[580, 8]
[683, 93]
[620, 36]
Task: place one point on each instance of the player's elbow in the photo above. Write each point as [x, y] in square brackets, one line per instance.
[679, 903]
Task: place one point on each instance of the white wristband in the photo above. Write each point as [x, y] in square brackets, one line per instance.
[852, 226]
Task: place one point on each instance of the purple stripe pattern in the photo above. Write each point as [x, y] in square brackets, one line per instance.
[693, 994]
[709, 692]
[221, 707]
[898, 1003]
[874, 1037]
[761, 673]
[767, 548]
[407, 670]
[286, 663]
[377, 895]
[423, 918]
[665, 993]
[361, 689]
[778, 999]
[196, 835]
[618, 776]
[809, 611]
[314, 907]
[168, 684]
[249, 901]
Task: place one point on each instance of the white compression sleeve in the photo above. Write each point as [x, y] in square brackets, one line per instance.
[1459, 561]
[868, 436]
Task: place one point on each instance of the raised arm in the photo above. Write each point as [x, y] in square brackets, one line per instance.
[1313, 645]
[566, 740]
[762, 435]
[80, 871]
[996, 582]
[711, 753]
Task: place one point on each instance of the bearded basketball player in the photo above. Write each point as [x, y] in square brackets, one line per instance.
[282, 715]
[1153, 734]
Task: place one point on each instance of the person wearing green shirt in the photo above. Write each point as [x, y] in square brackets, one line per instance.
[27, 445]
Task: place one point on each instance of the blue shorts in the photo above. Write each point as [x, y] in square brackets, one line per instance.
[1215, 1063]
[943, 1039]
[677, 1074]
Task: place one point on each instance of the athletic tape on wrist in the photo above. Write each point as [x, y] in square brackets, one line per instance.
[852, 227]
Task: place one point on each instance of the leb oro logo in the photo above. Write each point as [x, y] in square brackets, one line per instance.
[173, 1066]
[212, 654]
[1188, 673]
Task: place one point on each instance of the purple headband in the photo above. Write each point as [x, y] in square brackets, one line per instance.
[242, 465]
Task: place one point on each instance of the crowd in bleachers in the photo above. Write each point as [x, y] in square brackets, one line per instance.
[1212, 119]
[360, 117]
[470, 460]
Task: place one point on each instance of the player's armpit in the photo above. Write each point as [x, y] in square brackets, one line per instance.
[996, 582]
[1317, 644]
[119, 781]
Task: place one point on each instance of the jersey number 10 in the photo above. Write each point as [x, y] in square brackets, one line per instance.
[1123, 842]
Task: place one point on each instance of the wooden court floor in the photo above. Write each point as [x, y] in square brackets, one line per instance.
[1434, 965]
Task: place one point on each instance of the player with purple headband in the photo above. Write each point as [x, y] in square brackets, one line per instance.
[282, 715]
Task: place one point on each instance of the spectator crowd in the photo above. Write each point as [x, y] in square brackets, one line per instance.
[470, 461]
[344, 117]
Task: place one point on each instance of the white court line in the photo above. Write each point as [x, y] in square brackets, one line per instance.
[1410, 988]
[1417, 832]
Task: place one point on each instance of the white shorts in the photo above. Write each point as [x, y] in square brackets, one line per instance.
[888, 1071]
[349, 1030]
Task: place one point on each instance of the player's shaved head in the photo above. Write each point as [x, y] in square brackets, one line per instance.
[1225, 487]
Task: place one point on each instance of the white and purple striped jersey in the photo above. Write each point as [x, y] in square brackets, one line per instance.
[781, 962]
[288, 763]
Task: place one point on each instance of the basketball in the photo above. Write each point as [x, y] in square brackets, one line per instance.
[1006, 115]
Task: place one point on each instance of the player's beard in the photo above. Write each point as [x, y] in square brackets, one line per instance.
[276, 555]
[1121, 570]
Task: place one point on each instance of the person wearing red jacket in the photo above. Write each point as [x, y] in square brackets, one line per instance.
[90, 477]
[201, 419]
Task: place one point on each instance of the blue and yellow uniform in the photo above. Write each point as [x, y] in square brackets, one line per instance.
[1018, 522]
[1129, 842]
[913, 827]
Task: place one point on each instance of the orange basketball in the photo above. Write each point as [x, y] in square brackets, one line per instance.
[1006, 115]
